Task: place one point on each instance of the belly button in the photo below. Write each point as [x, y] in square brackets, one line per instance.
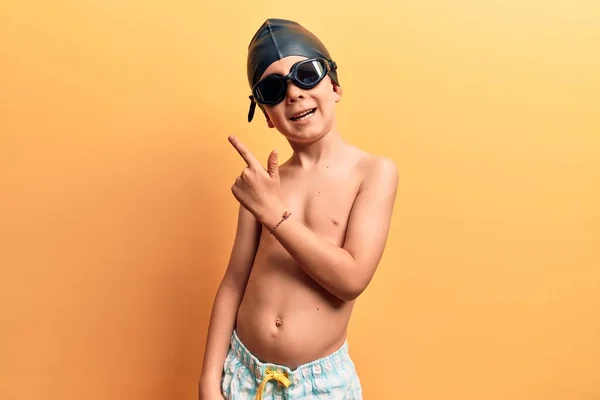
[278, 322]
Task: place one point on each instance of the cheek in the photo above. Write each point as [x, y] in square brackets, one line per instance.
[326, 105]
[274, 114]
[326, 97]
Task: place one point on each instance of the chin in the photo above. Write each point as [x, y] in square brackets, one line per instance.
[306, 133]
[308, 136]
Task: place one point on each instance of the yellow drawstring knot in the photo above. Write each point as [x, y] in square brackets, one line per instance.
[272, 375]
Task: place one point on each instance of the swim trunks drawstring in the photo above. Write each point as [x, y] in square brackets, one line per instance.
[272, 375]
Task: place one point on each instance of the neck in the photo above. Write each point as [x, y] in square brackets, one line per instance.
[322, 150]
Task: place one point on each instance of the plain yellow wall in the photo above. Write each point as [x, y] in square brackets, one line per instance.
[117, 218]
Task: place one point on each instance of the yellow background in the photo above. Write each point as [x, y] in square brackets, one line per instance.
[117, 217]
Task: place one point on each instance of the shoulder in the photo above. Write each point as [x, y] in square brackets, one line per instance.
[378, 165]
[378, 170]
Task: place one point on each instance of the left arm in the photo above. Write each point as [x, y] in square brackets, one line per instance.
[345, 271]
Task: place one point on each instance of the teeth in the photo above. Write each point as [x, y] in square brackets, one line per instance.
[303, 115]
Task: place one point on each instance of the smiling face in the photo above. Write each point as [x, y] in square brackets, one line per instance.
[304, 115]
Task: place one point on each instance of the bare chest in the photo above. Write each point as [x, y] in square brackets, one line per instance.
[322, 202]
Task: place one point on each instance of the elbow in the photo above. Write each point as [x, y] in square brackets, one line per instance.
[233, 284]
[357, 280]
[352, 290]
[349, 296]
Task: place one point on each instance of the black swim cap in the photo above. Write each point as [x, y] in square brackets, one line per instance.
[279, 38]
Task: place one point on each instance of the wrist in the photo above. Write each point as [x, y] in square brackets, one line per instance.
[209, 392]
[210, 381]
[272, 216]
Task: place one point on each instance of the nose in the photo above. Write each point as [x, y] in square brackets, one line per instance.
[294, 93]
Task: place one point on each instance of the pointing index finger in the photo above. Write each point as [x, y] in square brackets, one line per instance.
[244, 152]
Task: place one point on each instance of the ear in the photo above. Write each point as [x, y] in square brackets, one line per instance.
[337, 92]
[269, 123]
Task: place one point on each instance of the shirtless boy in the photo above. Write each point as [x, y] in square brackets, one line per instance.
[310, 235]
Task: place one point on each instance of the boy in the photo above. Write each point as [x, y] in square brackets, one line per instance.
[309, 237]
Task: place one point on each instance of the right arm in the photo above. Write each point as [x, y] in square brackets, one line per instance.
[227, 301]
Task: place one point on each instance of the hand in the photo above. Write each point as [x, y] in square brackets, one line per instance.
[257, 189]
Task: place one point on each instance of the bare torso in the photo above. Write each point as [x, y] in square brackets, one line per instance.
[286, 317]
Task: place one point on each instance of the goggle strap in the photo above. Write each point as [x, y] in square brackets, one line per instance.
[252, 108]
